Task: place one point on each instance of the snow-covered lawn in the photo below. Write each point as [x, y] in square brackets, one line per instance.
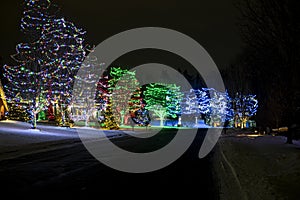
[262, 167]
[17, 138]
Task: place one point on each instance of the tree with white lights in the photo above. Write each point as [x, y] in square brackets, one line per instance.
[190, 105]
[220, 110]
[86, 104]
[47, 62]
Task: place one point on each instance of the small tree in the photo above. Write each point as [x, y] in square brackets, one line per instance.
[106, 117]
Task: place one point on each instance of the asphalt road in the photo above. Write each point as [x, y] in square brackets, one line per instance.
[70, 170]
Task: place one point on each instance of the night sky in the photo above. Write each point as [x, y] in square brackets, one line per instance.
[212, 23]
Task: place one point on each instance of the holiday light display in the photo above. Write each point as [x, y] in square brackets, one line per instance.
[26, 82]
[123, 84]
[195, 102]
[163, 100]
[40, 85]
[65, 52]
[48, 62]
[106, 117]
[244, 106]
[37, 16]
[19, 112]
[220, 109]
[138, 113]
[84, 107]
[3, 103]
[203, 101]
[189, 103]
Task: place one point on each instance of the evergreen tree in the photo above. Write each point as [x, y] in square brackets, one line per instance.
[106, 116]
[123, 85]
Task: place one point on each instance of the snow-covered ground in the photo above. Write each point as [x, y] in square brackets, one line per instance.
[17, 138]
[14, 133]
[257, 167]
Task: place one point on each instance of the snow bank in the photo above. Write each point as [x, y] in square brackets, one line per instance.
[262, 167]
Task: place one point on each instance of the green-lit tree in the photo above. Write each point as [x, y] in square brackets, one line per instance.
[106, 116]
[123, 85]
[163, 100]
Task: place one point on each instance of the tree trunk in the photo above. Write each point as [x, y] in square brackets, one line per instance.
[33, 124]
[179, 121]
[161, 121]
[87, 121]
[122, 119]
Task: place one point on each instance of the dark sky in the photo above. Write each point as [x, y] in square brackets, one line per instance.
[211, 22]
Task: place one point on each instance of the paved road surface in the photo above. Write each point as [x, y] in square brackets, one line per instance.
[64, 167]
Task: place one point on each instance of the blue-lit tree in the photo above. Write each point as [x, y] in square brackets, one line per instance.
[244, 106]
[195, 103]
[203, 103]
[220, 109]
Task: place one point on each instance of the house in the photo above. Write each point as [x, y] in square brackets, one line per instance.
[3, 104]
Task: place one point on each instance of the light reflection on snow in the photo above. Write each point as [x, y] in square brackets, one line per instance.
[249, 135]
[31, 132]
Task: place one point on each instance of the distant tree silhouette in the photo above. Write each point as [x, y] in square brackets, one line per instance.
[270, 30]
